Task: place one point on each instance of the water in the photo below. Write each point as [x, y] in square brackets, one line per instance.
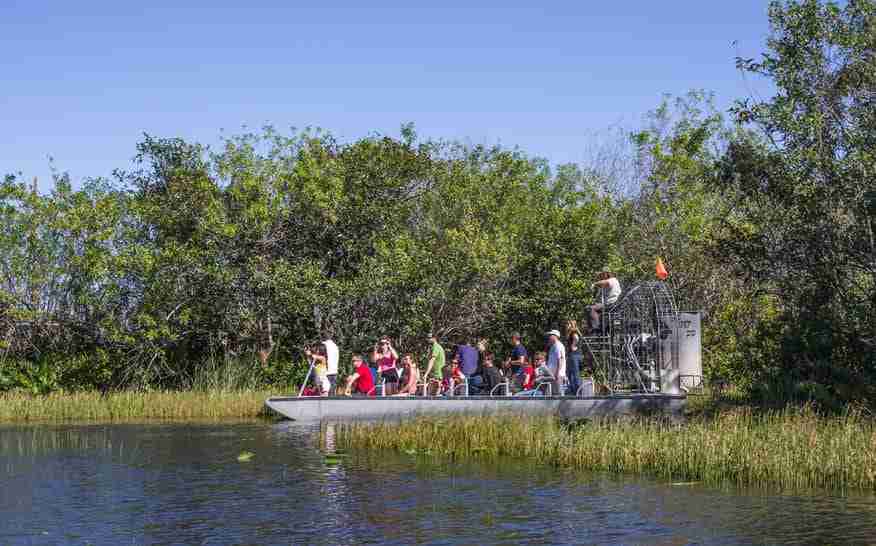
[183, 484]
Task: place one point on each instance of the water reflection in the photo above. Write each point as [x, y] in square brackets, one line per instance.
[182, 483]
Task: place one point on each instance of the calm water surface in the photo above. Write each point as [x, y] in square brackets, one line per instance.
[183, 484]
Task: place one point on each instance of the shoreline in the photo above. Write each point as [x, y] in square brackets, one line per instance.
[129, 406]
[784, 448]
[788, 449]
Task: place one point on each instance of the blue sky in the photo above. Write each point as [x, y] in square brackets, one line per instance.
[82, 81]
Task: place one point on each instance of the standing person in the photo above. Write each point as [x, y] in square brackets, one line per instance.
[360, 381]
[332, 355]
[609, 292]
[327, 356]
[515, 362]
[468, 358]
[411, 375]
[436, 359]
[385, 357]
[556, 362]
[320, 378]
[575, 356]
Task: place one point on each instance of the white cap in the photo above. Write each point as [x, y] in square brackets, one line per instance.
[554, 333]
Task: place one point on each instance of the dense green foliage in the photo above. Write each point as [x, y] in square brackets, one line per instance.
[195, 260]
[804, 204]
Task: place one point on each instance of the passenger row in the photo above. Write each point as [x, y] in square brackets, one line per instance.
[471, 370]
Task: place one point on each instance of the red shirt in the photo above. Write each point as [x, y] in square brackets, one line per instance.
[457, 375]
[364, 383]
[529, 372]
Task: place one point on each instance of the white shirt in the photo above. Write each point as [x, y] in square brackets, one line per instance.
[331, 357]
[613, 291]
[556, 361]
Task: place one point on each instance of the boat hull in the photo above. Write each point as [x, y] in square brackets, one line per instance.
[347, 408]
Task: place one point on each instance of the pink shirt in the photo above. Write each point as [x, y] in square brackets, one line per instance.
[386, 362]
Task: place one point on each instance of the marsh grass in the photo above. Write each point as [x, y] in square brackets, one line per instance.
[132, 405]
[789, 449]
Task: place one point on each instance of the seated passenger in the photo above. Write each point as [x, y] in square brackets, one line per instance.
[492, 377]
[360, 381]
[543, 372]
[527, 376]
[411, 375]
[609, 292]
[536, 375]
[453, 376]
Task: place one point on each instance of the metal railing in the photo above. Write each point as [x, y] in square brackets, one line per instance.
[505, 384]
[426, 384]
[549, 387]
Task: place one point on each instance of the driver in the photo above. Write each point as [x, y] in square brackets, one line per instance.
[609, 292]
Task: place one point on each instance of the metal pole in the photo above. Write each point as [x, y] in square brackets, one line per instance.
[306, 378]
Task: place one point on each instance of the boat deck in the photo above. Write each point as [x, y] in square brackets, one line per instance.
[342, 408]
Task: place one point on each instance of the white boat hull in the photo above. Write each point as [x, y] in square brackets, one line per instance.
[344, 408]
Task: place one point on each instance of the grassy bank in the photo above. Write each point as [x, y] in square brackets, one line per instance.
[130, 405]
[791, 448]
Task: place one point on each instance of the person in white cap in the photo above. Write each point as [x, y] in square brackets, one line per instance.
[557, 360]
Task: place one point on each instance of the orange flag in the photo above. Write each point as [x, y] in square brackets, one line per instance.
[661, 270]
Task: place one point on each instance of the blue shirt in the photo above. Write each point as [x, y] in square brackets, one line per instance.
[468, 357]
[518, 351]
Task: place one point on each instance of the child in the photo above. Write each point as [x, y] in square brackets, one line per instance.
[543, 373]
[320, 372]
[528, 375]
[536, 374]
[322, 381]
[453, 373]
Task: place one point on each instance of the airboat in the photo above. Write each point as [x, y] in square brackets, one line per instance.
[646, 358]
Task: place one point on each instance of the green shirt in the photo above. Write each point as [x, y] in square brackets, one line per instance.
[438, 360]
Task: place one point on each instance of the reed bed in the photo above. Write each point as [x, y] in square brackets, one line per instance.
[131, 405]
[789, 449]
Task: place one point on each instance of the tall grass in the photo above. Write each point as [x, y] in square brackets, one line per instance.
[132, 405]
[227, 375]
[790, 448]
